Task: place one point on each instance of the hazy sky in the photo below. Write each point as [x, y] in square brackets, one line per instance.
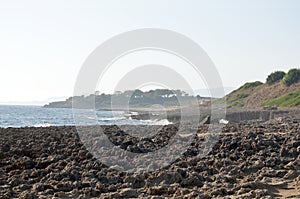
[44, 43]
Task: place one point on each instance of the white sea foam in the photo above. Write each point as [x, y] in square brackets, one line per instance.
[163, 122]
[134, 113]
[42, 125]
[158, 122]
[111, 118]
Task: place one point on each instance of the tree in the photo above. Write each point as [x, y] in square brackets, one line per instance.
[275, 77]
[137, 93]
[292, 77]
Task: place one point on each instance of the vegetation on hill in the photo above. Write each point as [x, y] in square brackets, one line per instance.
[287, 100]
[135, 98]
[275, 77]
[280, 89]
[250, 85]
[292, 77]
[237, 97]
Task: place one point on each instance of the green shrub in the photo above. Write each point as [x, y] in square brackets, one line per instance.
[242, 95]
[275, 77]
[249, 85]
[292, 77]
[289, 99]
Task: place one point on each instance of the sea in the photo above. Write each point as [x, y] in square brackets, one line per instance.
[38, 116]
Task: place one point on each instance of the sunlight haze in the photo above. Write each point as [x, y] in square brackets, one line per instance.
[44, 43]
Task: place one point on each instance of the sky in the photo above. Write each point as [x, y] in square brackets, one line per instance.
[43, 44]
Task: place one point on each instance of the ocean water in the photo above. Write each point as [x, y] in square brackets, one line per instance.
[36, 116]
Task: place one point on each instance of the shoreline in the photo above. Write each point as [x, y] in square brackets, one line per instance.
[139, 117]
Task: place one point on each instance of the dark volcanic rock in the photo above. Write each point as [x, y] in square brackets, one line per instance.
[249, 160]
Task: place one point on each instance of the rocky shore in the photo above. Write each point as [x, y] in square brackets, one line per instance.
[250, 160]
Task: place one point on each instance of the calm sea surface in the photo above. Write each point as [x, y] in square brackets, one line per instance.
[21, 116]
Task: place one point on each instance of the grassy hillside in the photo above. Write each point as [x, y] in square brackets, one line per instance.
[238, 97]
[258, 94]
[280, 89]
[287, 100]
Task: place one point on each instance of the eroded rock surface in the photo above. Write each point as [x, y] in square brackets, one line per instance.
[250, 160]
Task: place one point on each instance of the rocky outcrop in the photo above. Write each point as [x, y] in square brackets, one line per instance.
[250, 160]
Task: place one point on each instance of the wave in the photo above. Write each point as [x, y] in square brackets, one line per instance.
[157, 122]
[162, 122]
[134, 113]
[91, 118]
[111, 118]
[42, 125]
